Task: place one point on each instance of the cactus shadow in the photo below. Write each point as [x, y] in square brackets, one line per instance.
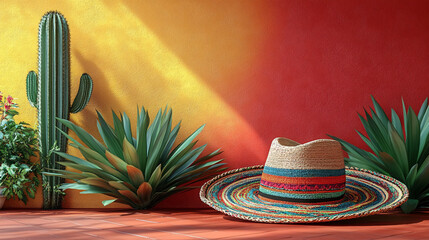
[103, 98]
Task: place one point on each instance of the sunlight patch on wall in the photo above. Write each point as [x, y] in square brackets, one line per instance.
[153, 75]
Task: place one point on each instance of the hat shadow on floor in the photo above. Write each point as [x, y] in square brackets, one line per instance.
[392, 218]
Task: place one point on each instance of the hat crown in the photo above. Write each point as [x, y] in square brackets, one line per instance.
[312, 172]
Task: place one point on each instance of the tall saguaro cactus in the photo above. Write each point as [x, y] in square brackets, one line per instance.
[49, 92]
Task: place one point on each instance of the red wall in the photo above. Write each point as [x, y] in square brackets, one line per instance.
[318, 64]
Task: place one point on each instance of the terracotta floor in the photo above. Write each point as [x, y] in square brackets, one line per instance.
[197, 224]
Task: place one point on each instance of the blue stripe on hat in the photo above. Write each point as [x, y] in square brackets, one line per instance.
[304, 172]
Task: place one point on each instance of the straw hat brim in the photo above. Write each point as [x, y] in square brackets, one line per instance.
[235, 193]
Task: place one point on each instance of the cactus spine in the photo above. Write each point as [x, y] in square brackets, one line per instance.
[49, 92]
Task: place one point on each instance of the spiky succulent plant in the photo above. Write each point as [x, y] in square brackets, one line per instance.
[139, 170]
[399, 151]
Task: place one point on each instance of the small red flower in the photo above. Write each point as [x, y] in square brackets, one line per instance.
[7, 107]
[9, 99]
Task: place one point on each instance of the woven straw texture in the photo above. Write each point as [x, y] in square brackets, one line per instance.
[310, 172]
[317, 154]
[235, 193]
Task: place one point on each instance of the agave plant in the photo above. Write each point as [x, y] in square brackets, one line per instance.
[398, 150]
[139, 170]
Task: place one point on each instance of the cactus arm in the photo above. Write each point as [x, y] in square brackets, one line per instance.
[83, 95]
[32, 88]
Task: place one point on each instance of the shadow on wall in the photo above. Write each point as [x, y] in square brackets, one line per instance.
[154, 75]
[103, 98]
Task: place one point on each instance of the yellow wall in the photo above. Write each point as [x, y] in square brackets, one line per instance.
[150, 53]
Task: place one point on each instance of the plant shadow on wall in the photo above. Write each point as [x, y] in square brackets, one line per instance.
[103, 97]
[162, 74]
[218, 42]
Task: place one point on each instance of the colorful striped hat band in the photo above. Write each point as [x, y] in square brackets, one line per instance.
[302, 183]
[310, 173]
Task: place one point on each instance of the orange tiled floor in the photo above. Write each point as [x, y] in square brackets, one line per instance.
[197, 224]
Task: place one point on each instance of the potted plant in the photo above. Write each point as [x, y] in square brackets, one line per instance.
[18, 175]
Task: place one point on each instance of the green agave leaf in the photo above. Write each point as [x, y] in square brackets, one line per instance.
[412, 137]
[174, 164]
[98, 172]
[107, 202]
[423, 196]
[109, 137]
[142, 125]
[96, 190]
[94, 157]
[422, 178]
[380, 112]
[380, 135]
[404, 113]
[186, 143]
[424, 144]
[118, 126]
[98, 182]
[187, 160]
[154, 129]
[423, 109]
[395, 169]
[75, 142]
[167, 118]
[399, 150]
[155, 151]
[130, 154]
[113, 172]
[65, 174]
[127, 127]
[362, 156]
[173, 161]
[156, 176]
[76, 186]
[77, 160]
[208, 156]
[209, 175]
[194, 173]
[169, 146]
[120, 186]
[196, 170]
[117, 163]
[396, 122]
[382, 126]
[425, 119]
[368, 142]
[411, 177]
[410, 205]
[130, 186]
[370, 132]
[84, 136]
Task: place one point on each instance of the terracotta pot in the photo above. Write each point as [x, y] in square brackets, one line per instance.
[2, 198]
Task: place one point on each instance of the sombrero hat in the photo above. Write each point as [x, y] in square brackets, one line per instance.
[302, 183]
